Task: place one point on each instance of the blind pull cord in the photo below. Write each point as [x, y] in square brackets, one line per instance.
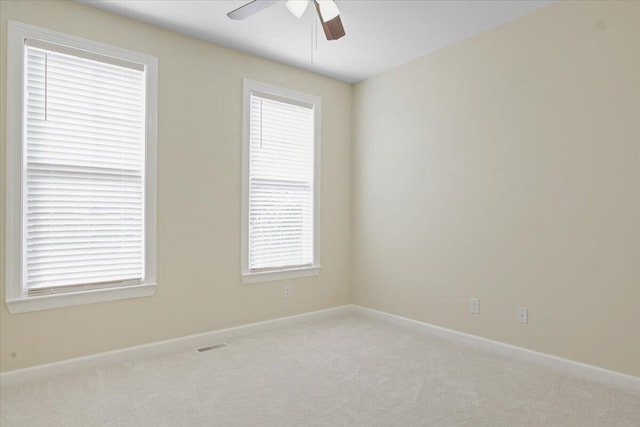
[261, 123]
[46, 86]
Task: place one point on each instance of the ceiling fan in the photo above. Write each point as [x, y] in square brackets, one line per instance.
[328, 13]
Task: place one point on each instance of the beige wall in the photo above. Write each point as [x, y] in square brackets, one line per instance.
[199, 154]
[507, 167]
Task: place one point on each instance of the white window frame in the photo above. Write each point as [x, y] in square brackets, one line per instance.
[15, 295]
[248, 277]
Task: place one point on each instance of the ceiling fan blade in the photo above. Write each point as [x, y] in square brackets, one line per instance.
[250, 9]
[333, 28]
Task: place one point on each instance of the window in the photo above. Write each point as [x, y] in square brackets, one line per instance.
[81, 171]
[281, 158]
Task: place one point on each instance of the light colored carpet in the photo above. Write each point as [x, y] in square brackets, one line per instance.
[343, 371]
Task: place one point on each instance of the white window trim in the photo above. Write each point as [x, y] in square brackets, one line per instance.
[249, 86]
[15, 296]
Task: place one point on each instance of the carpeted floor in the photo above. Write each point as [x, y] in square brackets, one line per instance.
[347, 370]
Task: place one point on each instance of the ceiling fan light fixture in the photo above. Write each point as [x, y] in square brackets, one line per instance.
[328, 9]
[297, 7]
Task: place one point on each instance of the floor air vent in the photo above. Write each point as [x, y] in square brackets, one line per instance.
[212, 347]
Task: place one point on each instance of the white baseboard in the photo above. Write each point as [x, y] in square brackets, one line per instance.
[570, 367]
[582, 370]
[141, 352]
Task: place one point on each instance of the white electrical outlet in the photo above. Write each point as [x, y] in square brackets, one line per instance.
[523, 315]
[287, 291]
[474, 306]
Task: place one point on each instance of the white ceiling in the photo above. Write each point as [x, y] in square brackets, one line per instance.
[381, 34]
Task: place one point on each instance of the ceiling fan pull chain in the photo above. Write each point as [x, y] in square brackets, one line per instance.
[313, 24]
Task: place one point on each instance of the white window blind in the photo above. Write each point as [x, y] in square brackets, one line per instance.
[281, 183]
[84, 178]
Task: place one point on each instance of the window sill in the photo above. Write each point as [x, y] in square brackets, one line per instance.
[270, 276]
[46, 302]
